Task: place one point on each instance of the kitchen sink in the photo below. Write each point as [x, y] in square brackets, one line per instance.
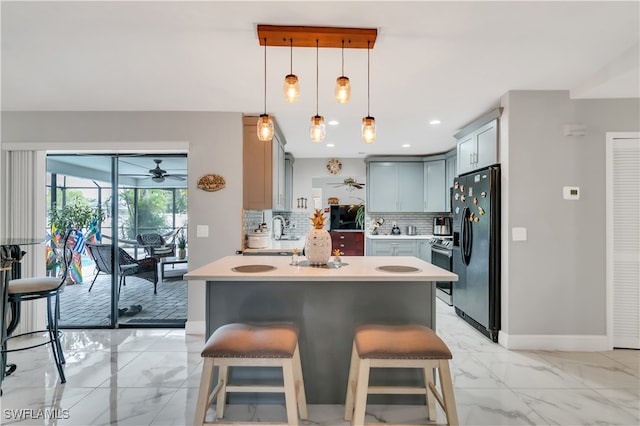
[288, 238]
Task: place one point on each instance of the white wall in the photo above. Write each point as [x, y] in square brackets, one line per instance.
[214, 142]
[553, 284]
[306, 169]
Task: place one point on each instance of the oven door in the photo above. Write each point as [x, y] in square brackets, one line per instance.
[443, 258]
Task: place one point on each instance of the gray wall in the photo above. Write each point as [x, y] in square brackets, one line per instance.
[554, 283]
[214, 143]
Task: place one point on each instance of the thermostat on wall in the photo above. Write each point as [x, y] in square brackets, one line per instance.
[571, 192]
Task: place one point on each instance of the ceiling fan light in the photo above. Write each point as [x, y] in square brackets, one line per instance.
[291, 88]
[317, 130]
[157, 179]
[343, 89]
[265, 128]
[368, 129]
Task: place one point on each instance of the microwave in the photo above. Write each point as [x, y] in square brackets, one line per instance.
[343, 217]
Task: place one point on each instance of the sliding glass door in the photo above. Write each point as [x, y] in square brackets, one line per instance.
[118, 279]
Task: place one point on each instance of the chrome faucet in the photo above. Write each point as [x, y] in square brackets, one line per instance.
[278, 231]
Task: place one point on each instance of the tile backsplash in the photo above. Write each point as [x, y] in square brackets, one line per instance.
[299, 223]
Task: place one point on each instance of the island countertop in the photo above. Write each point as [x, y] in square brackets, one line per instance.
[355, 268]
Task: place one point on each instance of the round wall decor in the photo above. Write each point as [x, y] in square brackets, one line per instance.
[334, 166]
[211, 183]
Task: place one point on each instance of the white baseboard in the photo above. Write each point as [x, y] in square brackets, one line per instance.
[579, 343]
[195, 327]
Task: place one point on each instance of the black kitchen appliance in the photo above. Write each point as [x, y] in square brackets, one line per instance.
[476, 249]
[442, 256]
[343, 217]
[442, 226]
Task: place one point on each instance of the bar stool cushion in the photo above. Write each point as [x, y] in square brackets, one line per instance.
[252, 341]
[411, 341]
[33, 285]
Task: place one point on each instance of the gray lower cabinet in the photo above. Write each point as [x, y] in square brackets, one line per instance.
[424, 250]
[390, 247]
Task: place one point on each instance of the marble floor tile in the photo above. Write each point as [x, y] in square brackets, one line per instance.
[575, 407]
[594, 369]
[527, 370]
[151, 377]
[156, 369]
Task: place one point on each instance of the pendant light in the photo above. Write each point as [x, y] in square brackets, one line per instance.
[368, 122]
[316, 127]
[265, 123]
[291, 87]
[343, 87]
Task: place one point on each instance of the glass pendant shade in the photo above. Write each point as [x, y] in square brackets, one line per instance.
[265, 128]
[368, 129]
[317, 129]
[291, 88]
[343, 90]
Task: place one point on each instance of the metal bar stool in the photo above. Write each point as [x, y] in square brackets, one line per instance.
[248, 345]
[399, 346]
[25, 289]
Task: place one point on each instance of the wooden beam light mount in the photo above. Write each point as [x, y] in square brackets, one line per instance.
[354, 38]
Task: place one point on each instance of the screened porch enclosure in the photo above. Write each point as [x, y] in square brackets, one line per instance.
[139, 196]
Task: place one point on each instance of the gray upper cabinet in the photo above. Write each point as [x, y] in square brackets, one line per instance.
[288, 181]
[479, 148]
[382, 187]
[434, 186]
[451, 170]
[395, 186]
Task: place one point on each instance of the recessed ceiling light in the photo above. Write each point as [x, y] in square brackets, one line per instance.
[434, 122]
[406, 145]
[330, 145]
[333, 122]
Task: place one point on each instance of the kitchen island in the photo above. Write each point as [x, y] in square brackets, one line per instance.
[326, 303]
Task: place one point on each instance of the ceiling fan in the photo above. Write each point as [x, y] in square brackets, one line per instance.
[158, 174]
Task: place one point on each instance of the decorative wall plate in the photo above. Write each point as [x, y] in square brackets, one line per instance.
[211, 183]
[334, 166]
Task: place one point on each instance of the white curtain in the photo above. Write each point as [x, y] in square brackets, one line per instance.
[24, 216]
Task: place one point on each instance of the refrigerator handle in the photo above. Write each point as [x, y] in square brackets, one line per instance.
[465, 228]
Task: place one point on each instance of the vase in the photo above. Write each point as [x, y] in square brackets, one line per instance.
[182, 253]
[318, 247]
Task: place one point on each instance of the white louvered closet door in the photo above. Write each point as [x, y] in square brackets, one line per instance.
[623, 239]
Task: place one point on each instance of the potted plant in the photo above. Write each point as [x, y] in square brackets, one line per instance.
[182, 245]
[74, 216]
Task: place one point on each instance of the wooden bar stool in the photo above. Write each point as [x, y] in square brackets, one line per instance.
[399, 346]
[248, 345]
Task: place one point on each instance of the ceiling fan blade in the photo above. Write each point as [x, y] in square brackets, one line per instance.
[174, 177]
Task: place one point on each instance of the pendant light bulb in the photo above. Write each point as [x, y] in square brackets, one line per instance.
[369, 129]
[368, 122]
[343, 87]
[343, 90]
[264, 127]
[291, 87]
[317, 130]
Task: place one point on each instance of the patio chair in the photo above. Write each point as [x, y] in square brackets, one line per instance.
[146, 268]
[156, 246]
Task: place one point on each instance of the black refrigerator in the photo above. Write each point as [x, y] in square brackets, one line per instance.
[475, 205]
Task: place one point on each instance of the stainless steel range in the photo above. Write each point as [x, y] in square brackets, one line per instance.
[442, 256]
